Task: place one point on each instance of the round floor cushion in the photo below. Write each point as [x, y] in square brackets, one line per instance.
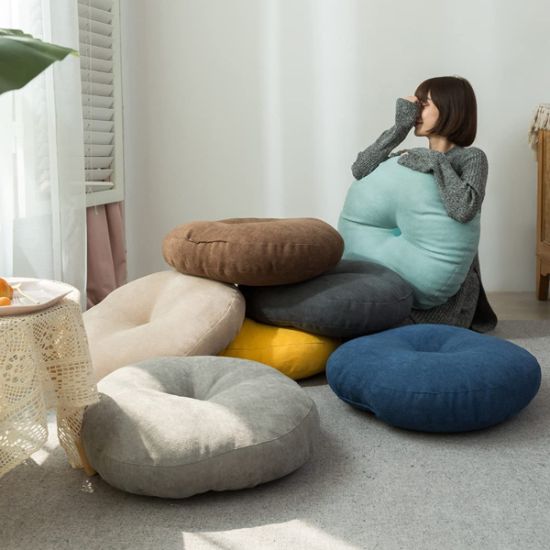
[293, 352]
[166, 313]
[353, 299]
[435, 378]
[395, 216]
[177, 426]
[254, 251]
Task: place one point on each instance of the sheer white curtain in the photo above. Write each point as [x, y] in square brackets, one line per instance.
[42, 195]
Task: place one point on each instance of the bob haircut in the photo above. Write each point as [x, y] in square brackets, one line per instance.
[455, 99]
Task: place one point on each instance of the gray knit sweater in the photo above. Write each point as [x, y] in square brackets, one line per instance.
[461, 175]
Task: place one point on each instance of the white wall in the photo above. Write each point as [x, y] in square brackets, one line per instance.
[258, 108]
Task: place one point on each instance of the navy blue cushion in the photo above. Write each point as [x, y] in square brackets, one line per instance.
[434, 378]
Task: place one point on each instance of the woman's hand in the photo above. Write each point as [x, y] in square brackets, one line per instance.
[420, 159]
[407, 111]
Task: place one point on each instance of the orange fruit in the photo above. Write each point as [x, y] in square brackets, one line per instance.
[5, 289]
[4, 301]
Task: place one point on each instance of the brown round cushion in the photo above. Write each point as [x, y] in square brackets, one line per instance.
[254, 251]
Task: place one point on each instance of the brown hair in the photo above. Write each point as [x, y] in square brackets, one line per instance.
[456, 101]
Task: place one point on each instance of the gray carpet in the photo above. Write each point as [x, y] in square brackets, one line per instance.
[369, 486]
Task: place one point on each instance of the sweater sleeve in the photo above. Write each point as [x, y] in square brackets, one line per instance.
[406, 113]
[463, 193]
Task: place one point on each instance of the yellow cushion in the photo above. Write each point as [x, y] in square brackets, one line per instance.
[296, 353]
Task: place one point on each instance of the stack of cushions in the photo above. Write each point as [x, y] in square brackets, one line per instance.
[395, 217]
[435, 378]
[177, 426]
[174, 427]
[353, 299]
[165, 313]
[301, 306]
[291, 326]
[254, 251]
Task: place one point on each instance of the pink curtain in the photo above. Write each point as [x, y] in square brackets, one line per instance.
[106, 251]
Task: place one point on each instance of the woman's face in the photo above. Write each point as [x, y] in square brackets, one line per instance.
[427, 118]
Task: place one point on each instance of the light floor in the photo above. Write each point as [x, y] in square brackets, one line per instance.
[518, 306]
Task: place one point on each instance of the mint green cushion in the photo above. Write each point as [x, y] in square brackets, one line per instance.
[395, 217]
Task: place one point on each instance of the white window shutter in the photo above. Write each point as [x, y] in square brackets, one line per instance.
[101, 99]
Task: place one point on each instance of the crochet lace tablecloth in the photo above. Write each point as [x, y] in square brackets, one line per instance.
[44, 364]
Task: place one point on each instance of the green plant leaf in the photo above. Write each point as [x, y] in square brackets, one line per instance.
[23, 57]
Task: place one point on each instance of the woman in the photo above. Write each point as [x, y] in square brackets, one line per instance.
[444, 110]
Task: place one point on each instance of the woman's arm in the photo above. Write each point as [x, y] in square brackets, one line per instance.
[406, 113]
[462, 195]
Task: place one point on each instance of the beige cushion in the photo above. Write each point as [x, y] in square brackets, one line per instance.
[162, 314]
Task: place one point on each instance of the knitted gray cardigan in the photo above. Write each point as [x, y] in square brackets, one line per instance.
[461, 175]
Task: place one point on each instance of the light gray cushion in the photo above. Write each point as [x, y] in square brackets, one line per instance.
[177, 426]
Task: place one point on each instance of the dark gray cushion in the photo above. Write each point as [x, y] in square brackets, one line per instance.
[353, 299]
[176, 426]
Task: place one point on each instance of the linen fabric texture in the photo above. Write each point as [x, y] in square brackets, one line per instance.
[254, 251]
[296, 353]
[162, 314]
[174, 427]
[395, 216]
[435, 378]
[352, 299]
